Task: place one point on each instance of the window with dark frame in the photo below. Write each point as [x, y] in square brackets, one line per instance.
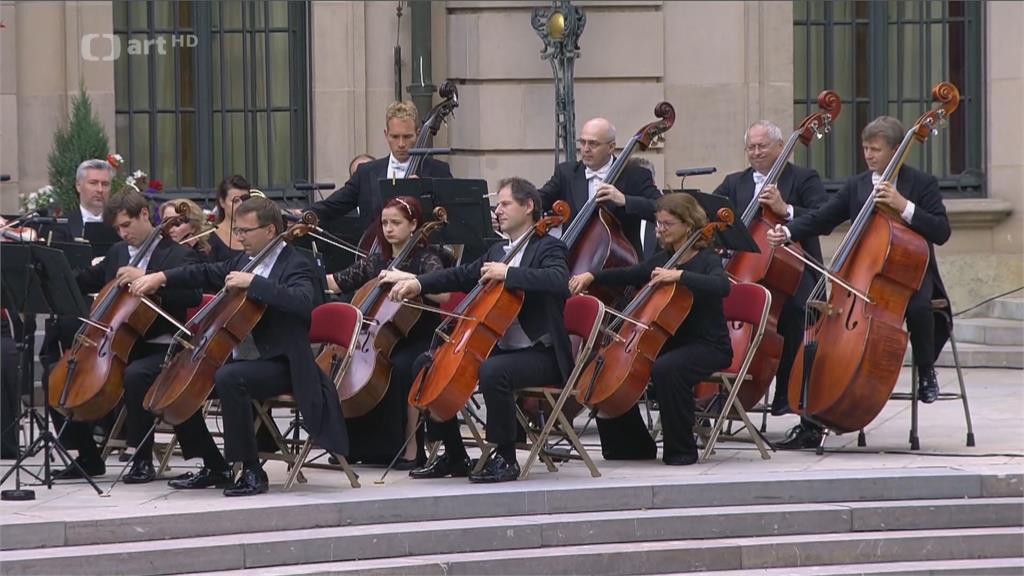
[884, 58]
[225, 91]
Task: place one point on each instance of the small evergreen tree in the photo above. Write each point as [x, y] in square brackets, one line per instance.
[81, 139]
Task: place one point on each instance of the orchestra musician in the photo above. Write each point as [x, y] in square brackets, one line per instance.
[128, 213]
[535, 349]
[230, 192]
[917, 199]
[798, 192]
[362, 190]
[631, 198]
[276, 357]
[183, 233]
[699, 347]
[378, 435]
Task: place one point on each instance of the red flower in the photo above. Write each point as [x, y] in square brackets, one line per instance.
[114, 160]
[156, 185]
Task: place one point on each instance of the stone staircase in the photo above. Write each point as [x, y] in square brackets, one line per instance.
[990, 336]
[906, 521]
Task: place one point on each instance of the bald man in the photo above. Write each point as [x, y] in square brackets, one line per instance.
[630, 198]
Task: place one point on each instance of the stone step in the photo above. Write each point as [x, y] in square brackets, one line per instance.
[977, 356]
[990, 567]
[539, 532]
[1007, 307]
[991, 331]
[744, 556]
[213, 517]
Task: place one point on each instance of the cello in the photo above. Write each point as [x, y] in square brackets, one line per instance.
[594, 237]
[88, 381]
[616, 376]
[365, 380]
[484, 315]
[187, 377]
[780, 270]
[852, 355]
[438, 115]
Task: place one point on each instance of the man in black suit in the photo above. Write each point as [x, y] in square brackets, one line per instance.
[917, 199]
[798, 192]
[534, 351]
[362, 190]
[128, 212]
[630, 198]
[276, 358]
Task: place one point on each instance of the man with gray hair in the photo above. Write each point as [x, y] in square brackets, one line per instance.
[915, 196]
[797, 191]
[92, 182]
[630, 198]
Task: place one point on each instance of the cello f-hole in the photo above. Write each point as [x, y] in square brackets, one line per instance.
[851, 323]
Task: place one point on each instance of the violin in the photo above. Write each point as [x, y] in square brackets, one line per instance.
[438, 115]
[88, 381]
[363, 383]
[186, 379]
[780, 270]
[11, 233]
[483, 317]
[594, 237]
[616, 376]
[851, 356]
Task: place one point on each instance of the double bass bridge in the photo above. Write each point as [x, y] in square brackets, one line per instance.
[824, 308]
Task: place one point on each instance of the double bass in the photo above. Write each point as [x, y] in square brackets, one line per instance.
[779, 270]
[594, 237]
[852, 355]
[187, 377]
[363, 383]
[616, 376]
[438, 115]
[484, 316]
[88, 381]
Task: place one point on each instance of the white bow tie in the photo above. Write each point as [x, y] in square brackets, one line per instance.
[759, 178]
[875, 178]
[602, 173]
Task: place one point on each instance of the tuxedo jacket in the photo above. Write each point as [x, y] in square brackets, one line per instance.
[929, 220]
[802, 188]
[542, 275]
[569, 183]
[363, 189]
[167, 254]
[290, 294]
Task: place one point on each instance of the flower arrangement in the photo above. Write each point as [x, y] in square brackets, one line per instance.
[40, 199]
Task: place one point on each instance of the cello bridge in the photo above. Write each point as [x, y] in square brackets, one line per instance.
[184, 343]
[85, 341]
[824, 308]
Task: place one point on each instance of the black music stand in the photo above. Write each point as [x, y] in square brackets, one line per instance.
[38, 280]
[465, 200]
[101, 236]
[735, 238]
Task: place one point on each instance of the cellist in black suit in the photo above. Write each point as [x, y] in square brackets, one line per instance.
[799, 191]
[129, 213]
[917, 199]
[631, 198]
[533, 351]
[363, 189]
[276, 358]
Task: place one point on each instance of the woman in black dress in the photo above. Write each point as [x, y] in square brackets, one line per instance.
[699, 348]
[377, 436]
[230, 192]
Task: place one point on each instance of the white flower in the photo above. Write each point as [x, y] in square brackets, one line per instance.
[129, 181]
[118, 158]
[137, 175]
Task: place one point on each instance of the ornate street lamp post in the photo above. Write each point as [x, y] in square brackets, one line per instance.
[560, 27]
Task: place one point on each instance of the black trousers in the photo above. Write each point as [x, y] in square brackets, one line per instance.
[791, 328]
[675, 374]
[193, 436]
[501, 375]
[238, 384]
[921, 324]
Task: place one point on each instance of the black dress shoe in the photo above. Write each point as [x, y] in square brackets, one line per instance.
[497, 469]
[443, 467]
[780, 406]
[205, 478]
[928, 386]
[141, 472]
[91, 468]
[406, 464]
[680, 459]
[799, 437]
[250, 483]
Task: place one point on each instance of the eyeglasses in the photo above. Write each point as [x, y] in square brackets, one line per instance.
[664, 224]
[244, 231]
[591, 143]
[759, 147]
